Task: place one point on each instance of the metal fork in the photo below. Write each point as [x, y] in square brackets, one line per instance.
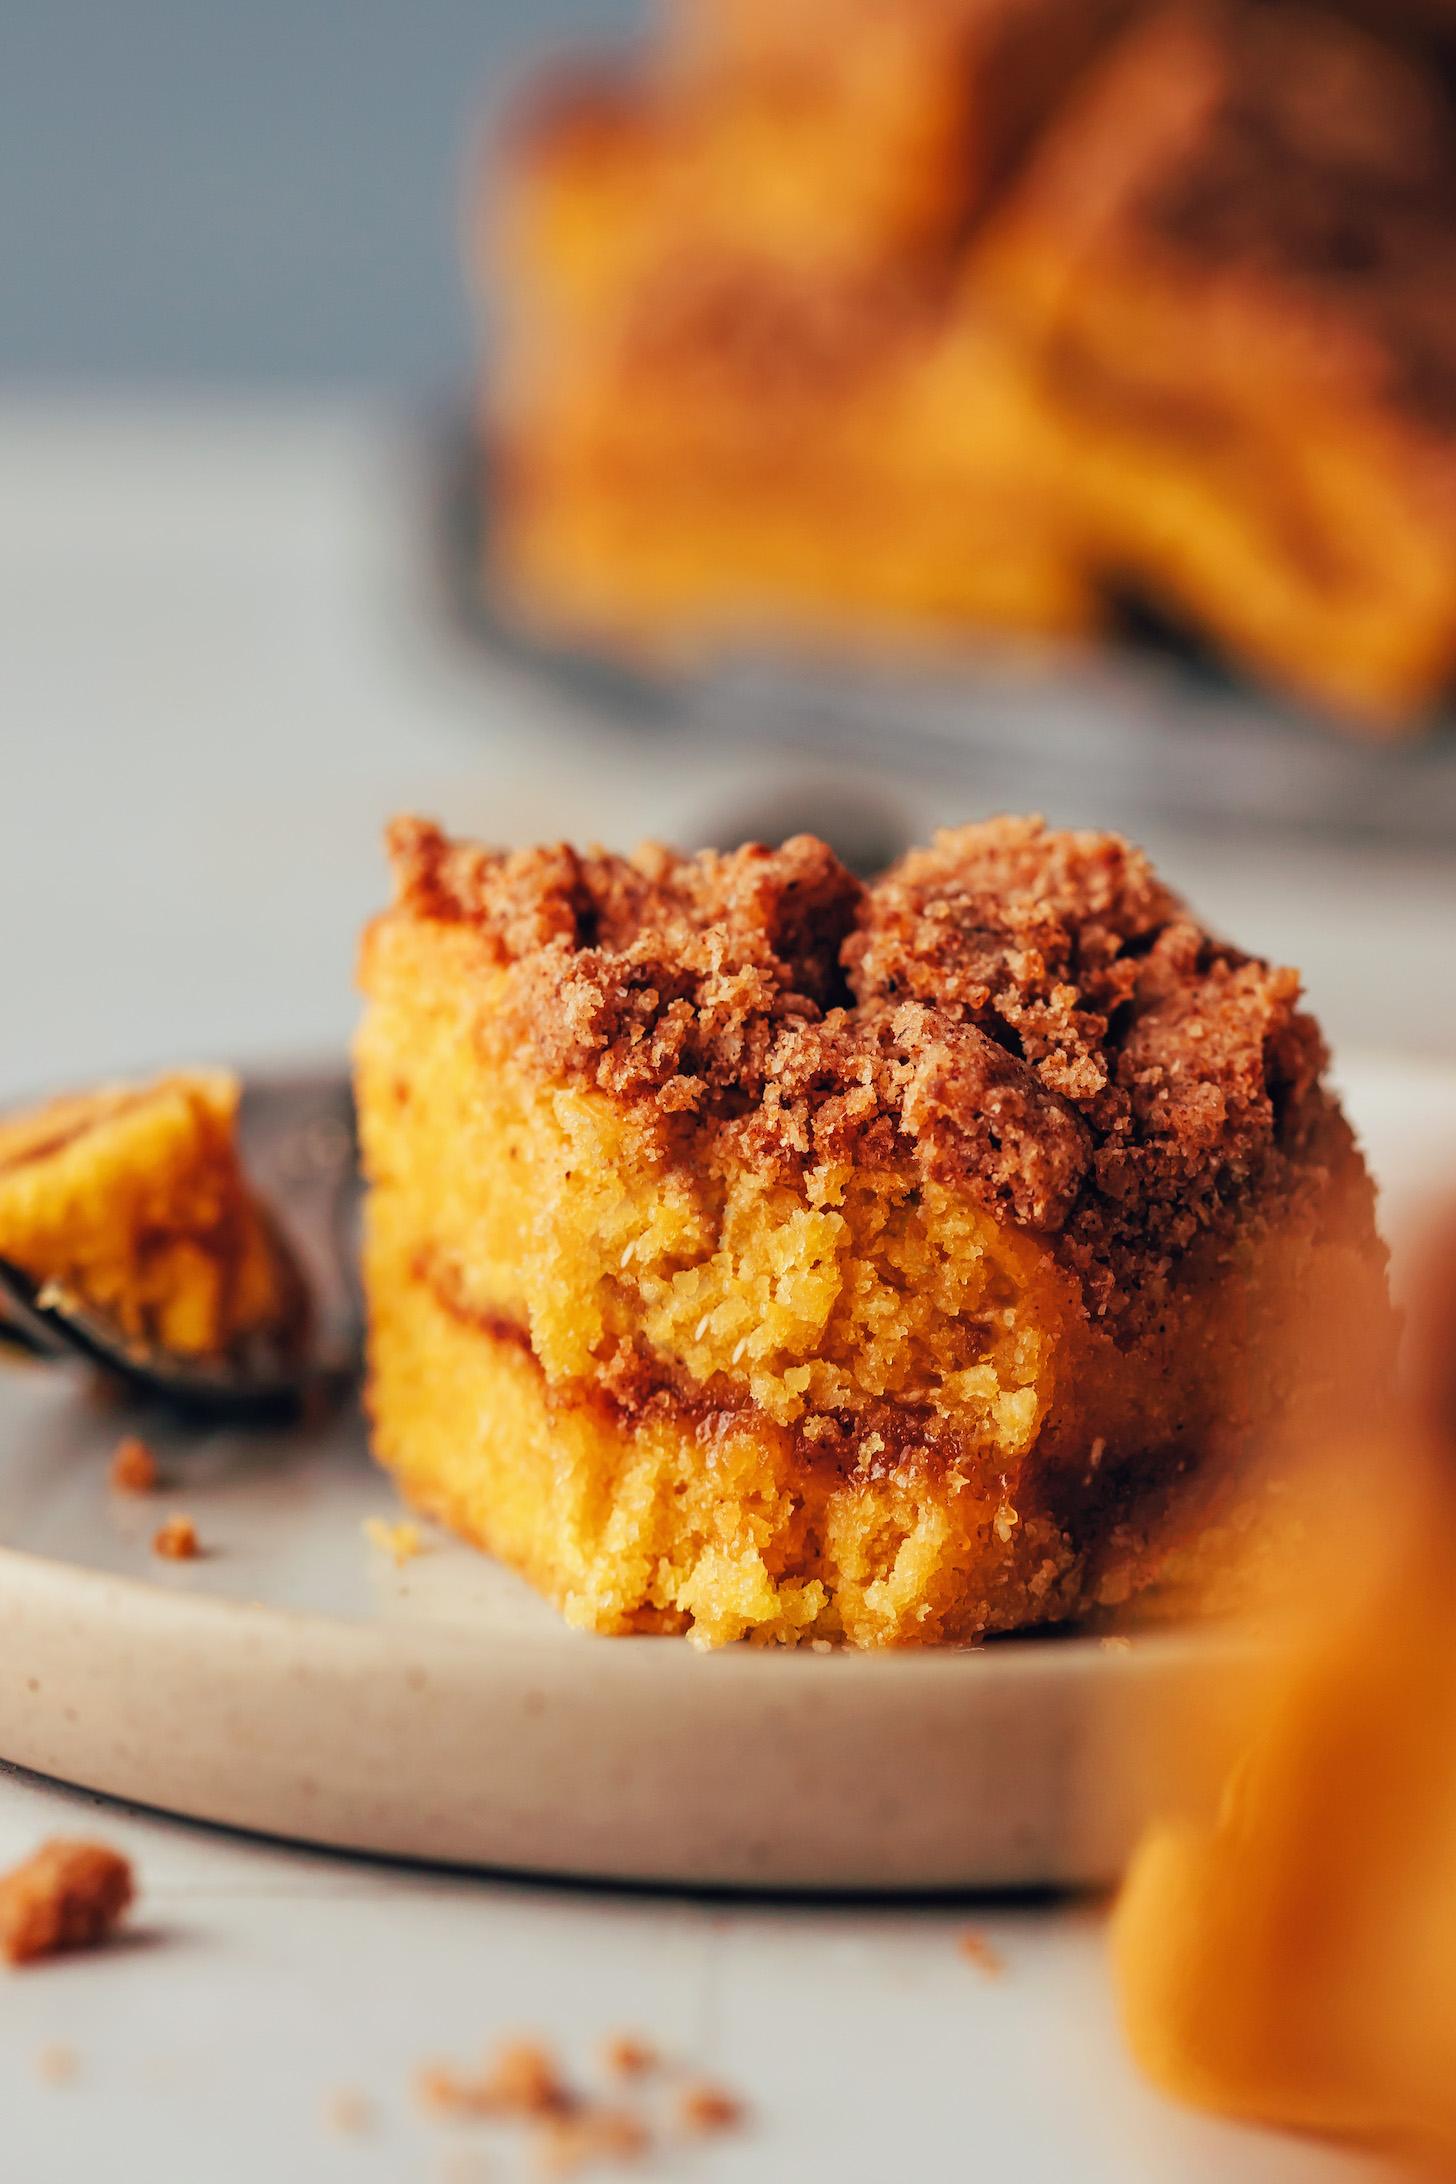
[297, 1139]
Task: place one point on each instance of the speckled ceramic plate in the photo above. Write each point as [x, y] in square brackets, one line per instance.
[293, 1681]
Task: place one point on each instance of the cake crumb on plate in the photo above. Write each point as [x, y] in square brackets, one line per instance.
[57, 2064]
[401, 1542]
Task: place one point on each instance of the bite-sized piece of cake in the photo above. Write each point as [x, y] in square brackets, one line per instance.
[131, 1200]
[1235, 261]
[692, 442]
[756, 1253]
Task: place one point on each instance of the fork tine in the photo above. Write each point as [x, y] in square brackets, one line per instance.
[67, 1330]
[297, 1135]
[22, 1323]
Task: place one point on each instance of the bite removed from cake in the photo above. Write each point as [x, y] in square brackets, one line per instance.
[752, 1252]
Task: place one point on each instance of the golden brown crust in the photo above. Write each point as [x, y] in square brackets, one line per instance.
[1031, 1013]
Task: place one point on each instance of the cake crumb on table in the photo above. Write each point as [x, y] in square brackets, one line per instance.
[402, 1542]
[57, 2065]
[521, 2079]
[524, 2079]
[67, 1895]
[568, 2130]
[133, 1467]
[977, 1950]
[627, 2056]
[349, 2113]
[465, 2165]
[566, 2143]
[703, 2108]
[177, 1540]
[440, 2091]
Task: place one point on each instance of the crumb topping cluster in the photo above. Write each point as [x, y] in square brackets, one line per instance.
[1028, 1013]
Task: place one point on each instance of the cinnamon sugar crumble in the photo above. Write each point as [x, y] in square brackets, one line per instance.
[68, 1895]
[133, 1467]
[177, 1541]
[1030, 1014]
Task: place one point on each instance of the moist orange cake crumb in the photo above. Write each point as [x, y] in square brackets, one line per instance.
[754, 1252]
[68, 1895]
[177, 1541]
[401, 1542]
[133, 1468]
[132, 1202]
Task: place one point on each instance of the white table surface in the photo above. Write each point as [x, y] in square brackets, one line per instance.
[222, 665]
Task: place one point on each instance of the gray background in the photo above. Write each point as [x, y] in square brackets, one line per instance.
[249, 193]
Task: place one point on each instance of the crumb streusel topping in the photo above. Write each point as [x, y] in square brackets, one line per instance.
[1028, 1013]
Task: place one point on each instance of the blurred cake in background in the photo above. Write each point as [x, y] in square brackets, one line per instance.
[1232, 271]
[871, 319]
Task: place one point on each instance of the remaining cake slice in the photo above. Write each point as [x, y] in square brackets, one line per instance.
[131, 1201]
[1235, 260]
[753, 1252]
